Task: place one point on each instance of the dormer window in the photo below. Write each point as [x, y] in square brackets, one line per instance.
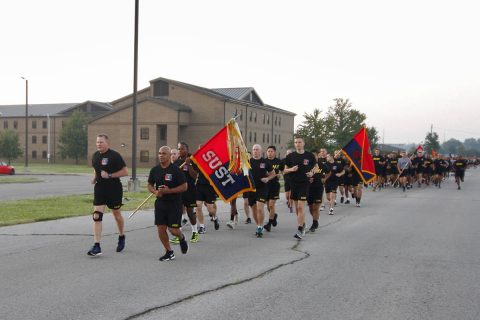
[160, 88]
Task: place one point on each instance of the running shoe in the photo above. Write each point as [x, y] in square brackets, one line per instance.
[195, 237]
[184, 222]
[216, 224]
[201, 230]
[274, 222]
[330, 212]
[121, 243]
[312, 228]
[175, 240]
[230, 224]
[347, 202]
[304, 232]
[248, 221]
[95, 251]
[298, 235]
[184, 245]
[357, 205]
[268, 227]
[169, 255]
[341, 200]
[259, 232]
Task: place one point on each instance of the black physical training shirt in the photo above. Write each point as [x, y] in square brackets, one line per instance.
[333, 169]
[278, 166]
[305, 162]
[377, 160]
[110, 161]
[318, 176]
[178, 163]
[417, 162]
[260, 169]
[171, 177]
[460, 165]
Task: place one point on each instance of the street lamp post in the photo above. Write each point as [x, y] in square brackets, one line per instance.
[26, 122]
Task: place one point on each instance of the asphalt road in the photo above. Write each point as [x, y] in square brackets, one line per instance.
[413, 255]
[49, 185]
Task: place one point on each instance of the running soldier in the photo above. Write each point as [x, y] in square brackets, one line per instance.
[262, 173]
[168, 182]
[188, 197]
[315, 194]
[334, 173]
[403, 165]
[460, 165]
[108, 191]
[273, 187]
[379, 162]
[299, 165]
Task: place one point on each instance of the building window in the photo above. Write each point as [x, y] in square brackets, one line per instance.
[163, 132]
[250, 136]
[255, 137]
[5, 124]
[44, 124]
[263, 138]
[268, 137]
[44, 154]
[34, 139]
[160, 88]
[279, 121]
[241, 115]
[279, 136]
[251, 116]
[44, 139]
[255, 117]
[264, 118]
[15, 124]
[144, 133]
[34, 124]
[268, 119]
[275, 120]
[144, 156]
[34, 154]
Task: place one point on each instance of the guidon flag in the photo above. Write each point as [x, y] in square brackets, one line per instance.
[359, 153]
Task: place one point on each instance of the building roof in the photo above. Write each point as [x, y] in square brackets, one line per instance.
[162, 101]
[34, 110]
[228, 94]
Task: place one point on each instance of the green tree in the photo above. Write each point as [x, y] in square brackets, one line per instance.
[452, 146]
[73, 137]
[343, 121]
[472, 143]
[312, 130]
[9, 145]
[431, 142]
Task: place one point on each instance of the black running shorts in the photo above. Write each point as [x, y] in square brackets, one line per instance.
[315, 195]
[299, 191]
[188, 197]
[258, 196]
[168, 213]
[273, 190]
[206, 193]
[109, 194]
[331, 187]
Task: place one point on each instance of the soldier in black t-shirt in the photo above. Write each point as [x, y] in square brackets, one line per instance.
[315, 194]
[167, 182]
[439, 167]
[286, 183]
[299, 165]
[460, 165]
[334, 172]
[342, 163]
[188, 197]
[417, 165]
[262, 173]
[273, 186]
[380, 163]
[108, 191]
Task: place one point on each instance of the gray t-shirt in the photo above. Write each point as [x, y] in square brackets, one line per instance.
[404, 163]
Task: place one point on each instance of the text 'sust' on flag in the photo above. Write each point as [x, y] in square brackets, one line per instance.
[212, 159]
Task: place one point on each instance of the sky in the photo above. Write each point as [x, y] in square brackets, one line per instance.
[407, 64]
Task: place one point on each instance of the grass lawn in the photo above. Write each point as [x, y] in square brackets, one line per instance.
[33, 210]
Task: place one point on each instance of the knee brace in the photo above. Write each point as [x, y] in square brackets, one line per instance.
[97, 216]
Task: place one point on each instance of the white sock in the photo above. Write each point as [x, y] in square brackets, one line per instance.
[194, 228]
[184, 216]
[202, 226]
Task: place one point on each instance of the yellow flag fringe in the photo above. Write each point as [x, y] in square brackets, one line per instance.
[237, 150]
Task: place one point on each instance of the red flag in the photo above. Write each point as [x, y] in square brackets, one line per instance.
[358, 152]
[213, 161]
[419, 148]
